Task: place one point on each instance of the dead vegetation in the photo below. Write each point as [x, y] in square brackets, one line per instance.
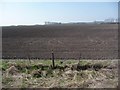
[37, 74]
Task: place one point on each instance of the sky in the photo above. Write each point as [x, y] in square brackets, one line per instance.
[31, 13]
[60, 0]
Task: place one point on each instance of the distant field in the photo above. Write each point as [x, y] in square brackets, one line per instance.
[86, 41]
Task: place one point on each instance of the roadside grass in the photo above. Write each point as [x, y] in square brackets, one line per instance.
[39, 73]
[0, 64]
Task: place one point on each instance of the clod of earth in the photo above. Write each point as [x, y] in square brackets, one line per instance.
[12, 70]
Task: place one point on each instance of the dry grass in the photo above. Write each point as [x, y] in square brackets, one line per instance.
[37, 74]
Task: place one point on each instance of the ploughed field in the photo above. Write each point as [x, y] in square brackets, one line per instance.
[74, 41]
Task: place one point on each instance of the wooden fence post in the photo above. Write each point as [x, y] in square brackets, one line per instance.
[79, 58]
[53, 63]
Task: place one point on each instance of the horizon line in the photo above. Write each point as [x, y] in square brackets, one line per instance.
[59, 23]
